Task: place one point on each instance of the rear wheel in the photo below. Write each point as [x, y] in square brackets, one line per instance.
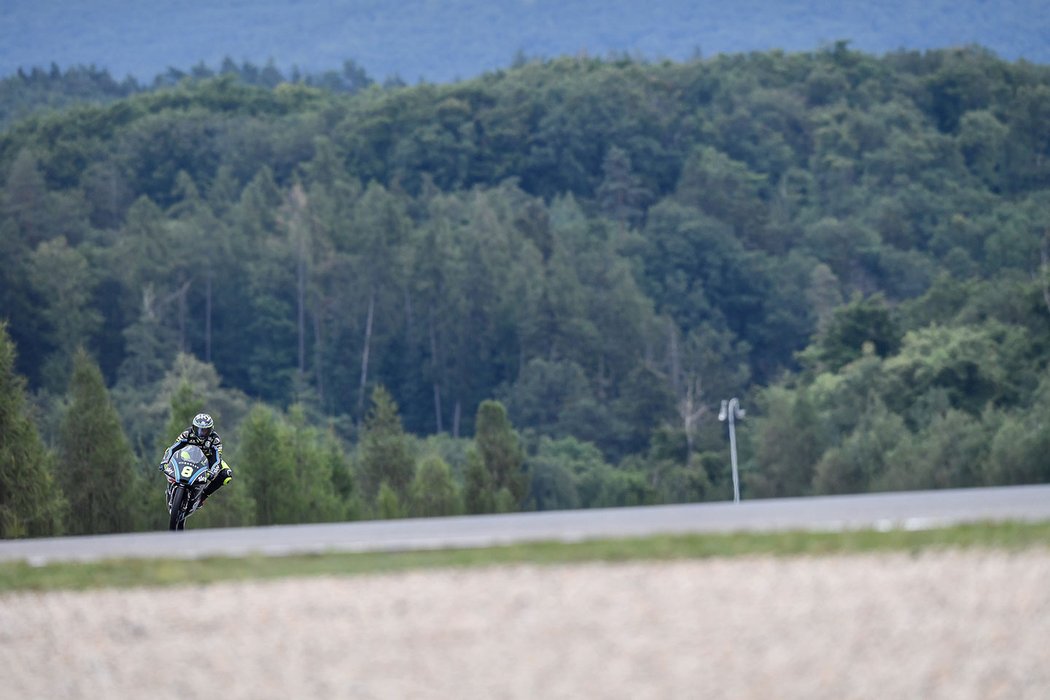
[177, 518]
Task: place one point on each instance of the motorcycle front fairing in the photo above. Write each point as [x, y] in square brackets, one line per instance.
[188, 467]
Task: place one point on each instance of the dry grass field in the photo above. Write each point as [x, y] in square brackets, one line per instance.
[940, 624]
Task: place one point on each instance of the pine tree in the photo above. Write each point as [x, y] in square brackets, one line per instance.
[148, 493]
[499, 449]
[433, 490]
[31, 504]
[268, 468]
[386, 452]
[477, 485]
[231, 506]
[62, 276]
[318, 500]
[388, 505]
[185, 404]
[95, 457]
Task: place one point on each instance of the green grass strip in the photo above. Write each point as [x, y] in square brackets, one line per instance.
[126, 573]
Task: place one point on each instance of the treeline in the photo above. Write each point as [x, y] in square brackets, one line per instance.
[38, 90]
[85, 477]
[854, 246]
[455, 39]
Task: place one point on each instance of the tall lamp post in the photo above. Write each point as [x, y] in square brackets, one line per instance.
[731, 410]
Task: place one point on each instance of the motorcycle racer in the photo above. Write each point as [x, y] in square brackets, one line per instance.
[202, 434]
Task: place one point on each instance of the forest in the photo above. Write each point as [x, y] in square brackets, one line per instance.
[528, 290]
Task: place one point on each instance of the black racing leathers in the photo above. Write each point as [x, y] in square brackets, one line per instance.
[219, 472]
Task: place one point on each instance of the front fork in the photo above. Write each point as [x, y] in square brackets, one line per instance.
[169, 492]
[190, 503]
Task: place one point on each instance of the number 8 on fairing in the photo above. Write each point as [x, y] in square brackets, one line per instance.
[187, 471]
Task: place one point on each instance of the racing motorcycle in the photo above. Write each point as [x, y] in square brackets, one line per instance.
[188, 474]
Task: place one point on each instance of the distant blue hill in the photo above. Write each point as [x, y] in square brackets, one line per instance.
[442, 40]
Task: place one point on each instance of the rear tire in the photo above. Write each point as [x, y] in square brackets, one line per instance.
[177, 517]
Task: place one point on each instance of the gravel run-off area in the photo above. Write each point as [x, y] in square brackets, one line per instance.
[944, 624]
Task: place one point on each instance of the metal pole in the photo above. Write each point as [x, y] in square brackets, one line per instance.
[731, 410]
[732, 455]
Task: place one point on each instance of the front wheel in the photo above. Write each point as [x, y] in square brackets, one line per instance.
[175, 520]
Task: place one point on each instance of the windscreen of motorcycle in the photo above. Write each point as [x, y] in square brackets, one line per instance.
[190, 465]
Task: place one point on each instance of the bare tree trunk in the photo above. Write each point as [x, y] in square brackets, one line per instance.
[409, 317]
[455, 420]
[294, 216]
[319, 352]
[207, 314]
[301, 318]
[181, 299]
[676, 363]
[691, 410]
[299, 230]
[1045, 268]
[161, 306]
[435, 362]
[364, 355]
[437, 405]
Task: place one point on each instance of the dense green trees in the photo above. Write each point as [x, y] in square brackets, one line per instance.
[30, 501]
[555, 272]
[496, 480]
[95, 462]
[386, 455]
[287, 469]
[434, 492]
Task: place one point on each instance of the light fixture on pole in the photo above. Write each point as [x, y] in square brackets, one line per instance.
[731, 410]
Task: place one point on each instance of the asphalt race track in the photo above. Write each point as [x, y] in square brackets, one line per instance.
[906, 510]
